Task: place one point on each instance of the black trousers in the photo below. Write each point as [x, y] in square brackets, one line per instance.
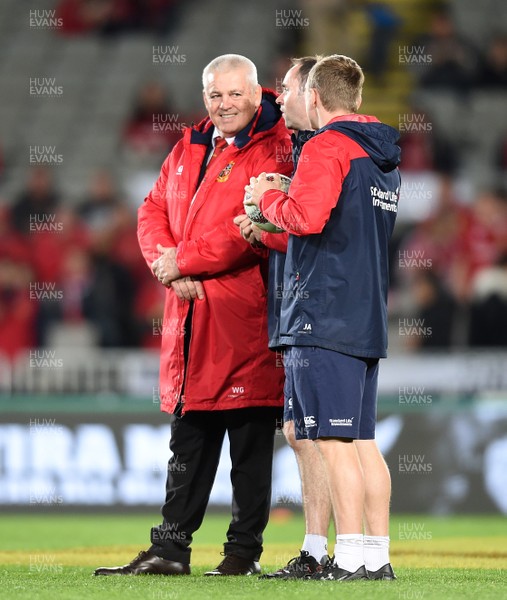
[196, 443]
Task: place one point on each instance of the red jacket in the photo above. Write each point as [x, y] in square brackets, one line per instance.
[229, 365]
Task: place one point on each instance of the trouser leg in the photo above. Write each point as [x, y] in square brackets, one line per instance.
[251, 435]
[196, 443]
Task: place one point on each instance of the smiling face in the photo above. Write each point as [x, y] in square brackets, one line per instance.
[231, 100]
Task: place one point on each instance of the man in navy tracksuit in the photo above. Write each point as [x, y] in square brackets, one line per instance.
[340, 214]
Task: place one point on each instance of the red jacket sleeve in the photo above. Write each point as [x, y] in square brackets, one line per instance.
[275, 241]
[153, 225]
[314, 191]
[219, 250]
[223, 249]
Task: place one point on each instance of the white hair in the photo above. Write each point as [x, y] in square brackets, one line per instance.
[227, 62]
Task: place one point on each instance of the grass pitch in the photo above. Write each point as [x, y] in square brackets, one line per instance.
[52, 557]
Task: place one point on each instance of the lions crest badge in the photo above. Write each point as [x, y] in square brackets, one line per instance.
[225, 172]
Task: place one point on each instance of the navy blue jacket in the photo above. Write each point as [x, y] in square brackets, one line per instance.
[340, 212]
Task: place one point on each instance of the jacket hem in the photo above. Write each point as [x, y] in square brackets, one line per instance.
[288, 340]
[232, 404]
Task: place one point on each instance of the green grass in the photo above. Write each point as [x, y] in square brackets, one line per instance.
[51, 557]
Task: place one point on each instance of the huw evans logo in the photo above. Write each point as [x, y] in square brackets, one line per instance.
[291, 19]
[44, 222]
[45, 86]
[415, 191]
[45, 155]
[45, 359]
[411, 327]
[413, 531]
[45, 19]
[168, 122]
[168, 532]
[414, 464]
[45, 427]
[414, 259]
[414, 123]
[171, 327]
[414, 55]
[46, 496]
[168, 55]
[44, 290]
[44, 563]
[414, 395]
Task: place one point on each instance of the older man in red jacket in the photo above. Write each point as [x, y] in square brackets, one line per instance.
[216, 374]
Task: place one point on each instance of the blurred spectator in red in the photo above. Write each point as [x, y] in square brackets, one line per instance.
[488, 310]
[96, 288]
[440, 239]
[125, 248]
[49, 245]
[423, 147]
[101, 200]
[12, 242]
[73, 283]
[157, 15]
[454, 60]
[102, 16]
[36, 205]
[18, 311]
[109, 17]
[493, 71]
[484, 239]
[154, 126]
[149, 310]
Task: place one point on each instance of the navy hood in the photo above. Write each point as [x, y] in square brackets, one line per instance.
[377, 139]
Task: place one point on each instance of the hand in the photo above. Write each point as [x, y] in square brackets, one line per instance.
[259, 185]
[249, 231]
[164, 267]
[187, 288]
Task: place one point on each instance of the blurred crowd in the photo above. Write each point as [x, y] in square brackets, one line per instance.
[451, 267]
[77, 266]
[113, 17]
[449, 271]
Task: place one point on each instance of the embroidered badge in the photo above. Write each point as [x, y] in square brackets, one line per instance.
[225, 172]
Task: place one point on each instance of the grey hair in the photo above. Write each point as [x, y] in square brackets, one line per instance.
[227, 62]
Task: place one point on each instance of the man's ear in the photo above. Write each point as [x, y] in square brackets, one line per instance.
[258, 95]
[205, 99]
[314, 97]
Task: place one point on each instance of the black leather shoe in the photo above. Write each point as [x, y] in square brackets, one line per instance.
[235, 565]
[386, 573]
[146, 563]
